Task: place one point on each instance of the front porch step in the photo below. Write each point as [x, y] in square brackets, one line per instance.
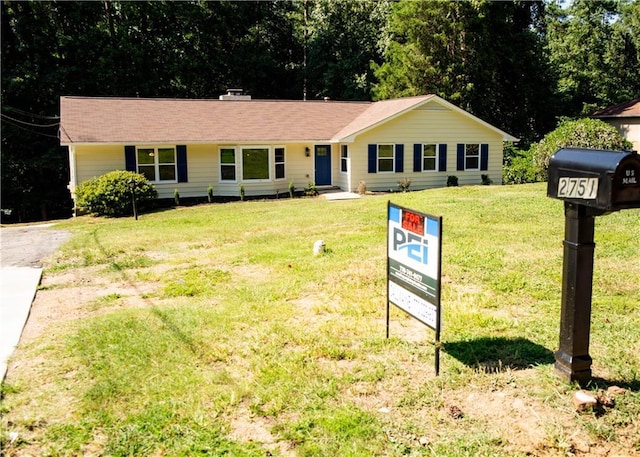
[327, 189]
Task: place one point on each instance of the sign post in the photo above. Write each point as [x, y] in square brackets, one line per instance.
[414, 254]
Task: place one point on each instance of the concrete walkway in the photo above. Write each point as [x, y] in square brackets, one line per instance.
[17, 290]
[22, 248]
[334, 196]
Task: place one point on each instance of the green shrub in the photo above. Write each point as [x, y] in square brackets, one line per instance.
[519, 168]
[110, 194]
[581, 133]
[311, 190]
[452, 181]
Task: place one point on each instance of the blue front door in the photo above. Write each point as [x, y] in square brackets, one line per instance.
[323, 165]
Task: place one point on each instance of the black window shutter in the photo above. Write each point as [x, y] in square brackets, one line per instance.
[484, 156]
[460, 162]
[417, 157]
[181, 160]
[399, 158]
[130, 158]
[373, 158]
[442, 157]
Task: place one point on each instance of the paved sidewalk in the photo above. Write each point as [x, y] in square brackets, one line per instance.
[18, 289]
[22, 248]
[335, 196]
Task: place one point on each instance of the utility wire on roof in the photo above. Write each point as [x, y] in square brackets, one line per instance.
[26, 113]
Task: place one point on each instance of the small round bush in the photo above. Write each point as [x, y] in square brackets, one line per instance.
[110, 194]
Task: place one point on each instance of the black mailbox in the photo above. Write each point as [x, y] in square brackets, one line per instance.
[591, 182]
[600, 179]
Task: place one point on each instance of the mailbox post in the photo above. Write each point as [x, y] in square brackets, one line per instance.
[132, 186]
[573, 361]
[591, 183]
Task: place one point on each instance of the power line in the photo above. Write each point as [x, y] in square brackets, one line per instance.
[29, 130]
[25, 113]
[5, 117]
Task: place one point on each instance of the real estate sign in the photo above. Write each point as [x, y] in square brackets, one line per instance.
[414, 245]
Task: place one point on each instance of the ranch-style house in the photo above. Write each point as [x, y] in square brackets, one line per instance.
[266, 145]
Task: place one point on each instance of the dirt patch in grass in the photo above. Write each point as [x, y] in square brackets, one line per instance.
[68, 296]
[495, 406]
[251, 428]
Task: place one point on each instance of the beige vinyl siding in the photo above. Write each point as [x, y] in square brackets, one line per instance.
[629, 128]
[299, 168]
[430, 123]
[202, 171]
[93, 161]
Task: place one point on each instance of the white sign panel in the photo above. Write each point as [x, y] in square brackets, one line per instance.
[414, 244]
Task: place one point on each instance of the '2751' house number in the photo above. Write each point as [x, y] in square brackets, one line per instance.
[585, 188]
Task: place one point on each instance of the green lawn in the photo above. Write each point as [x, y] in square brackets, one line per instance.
[213, 330]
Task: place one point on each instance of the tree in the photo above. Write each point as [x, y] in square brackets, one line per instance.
[594, 52]
[581, 133]
[34, 171]
[481, 55]
[428, 51]
[344, 37]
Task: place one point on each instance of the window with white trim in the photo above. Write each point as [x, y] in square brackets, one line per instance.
[278, 161]
[157, 164]
[255, 163]
[430, 157]
[344, 158]
[386, 158]
[472, 156]
[228, 164]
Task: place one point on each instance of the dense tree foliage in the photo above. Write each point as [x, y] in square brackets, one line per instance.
[594, 51]
[344, 38]
[519, 65]
[481, 55]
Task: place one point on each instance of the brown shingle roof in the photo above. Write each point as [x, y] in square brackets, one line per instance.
[175, 121]
[138, 120]
[630, 108]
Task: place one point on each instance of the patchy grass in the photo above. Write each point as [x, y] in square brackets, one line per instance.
[214, 330]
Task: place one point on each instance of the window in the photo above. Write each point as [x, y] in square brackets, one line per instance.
[227, 164]
[279, 162]
[385, 158]
[429, 157]
[344, 158]
[251, 163]
[255, 163]
[157, 164]
[472, 156]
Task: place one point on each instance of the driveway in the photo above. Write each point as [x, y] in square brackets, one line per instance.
[22, 249]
